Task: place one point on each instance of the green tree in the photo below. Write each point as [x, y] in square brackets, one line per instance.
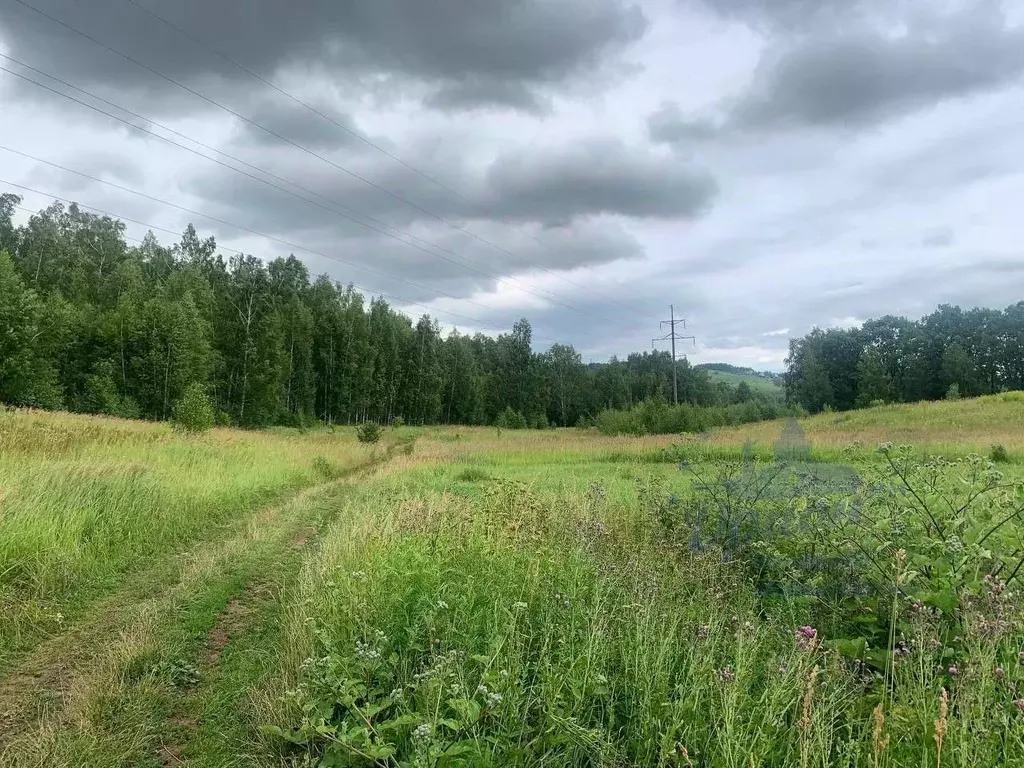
[873, 380]
[18, 331]
[193, 411]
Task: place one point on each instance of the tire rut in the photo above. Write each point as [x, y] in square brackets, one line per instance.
[43, 684]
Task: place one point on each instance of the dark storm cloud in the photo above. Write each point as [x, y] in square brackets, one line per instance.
[859, 78]
[668, 125]
[485, 94]
[536, 44]
[552, 186]
[601, 177]
[425, 249]
[847, 77]
[791, 13]
[296, 123]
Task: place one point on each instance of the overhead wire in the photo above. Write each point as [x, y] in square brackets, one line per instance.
[255, 124]
[258, 169]
[364, 139]
[241, 228]
[158, 228]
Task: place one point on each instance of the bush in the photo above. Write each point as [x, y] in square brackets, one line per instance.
[397, 423]
[953, 393]
[998, 454]
[194, 411]
[368, 432]
[510, 419]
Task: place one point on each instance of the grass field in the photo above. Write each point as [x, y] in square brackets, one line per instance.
[470, 597]
[756, 383]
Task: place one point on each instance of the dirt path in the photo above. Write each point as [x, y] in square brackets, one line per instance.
[53, 684]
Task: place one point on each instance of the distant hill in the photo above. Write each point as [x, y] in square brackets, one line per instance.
[760, 381]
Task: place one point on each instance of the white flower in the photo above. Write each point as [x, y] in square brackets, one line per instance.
[519, 606]
[442, 604]
[421, 732]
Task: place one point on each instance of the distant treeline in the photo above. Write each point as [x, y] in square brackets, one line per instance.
[949, 353]
[657, 417]
[740, 371]
[89, 323]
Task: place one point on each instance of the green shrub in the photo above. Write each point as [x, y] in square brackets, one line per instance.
[998, 454]
[473, 475]
[953, 393]
[194, 411]
[397, 423]
[510, 419]
[368, 432]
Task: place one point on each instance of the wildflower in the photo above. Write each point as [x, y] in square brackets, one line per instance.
[704, 632]
[806, 638]
[397, 694]
[954, 670]
[422, 733]
[519, 606]
[999, 672]
[366, 652]
[1019, 704]
[782, 669]
[1020, 658]
[494, 699]
[726, 675]
[601, 679]
[482, 689]
[358, 575]
[442, 604]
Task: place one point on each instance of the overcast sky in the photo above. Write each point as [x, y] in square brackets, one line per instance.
[765, 165]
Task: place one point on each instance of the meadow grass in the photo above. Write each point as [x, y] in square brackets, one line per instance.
[476, 612]
[943, 427]
[534, 598]
[84, 500]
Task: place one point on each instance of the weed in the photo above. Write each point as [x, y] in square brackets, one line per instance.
[369, 432]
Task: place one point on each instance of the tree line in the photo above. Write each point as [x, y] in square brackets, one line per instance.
[92, 324]
[950, 353]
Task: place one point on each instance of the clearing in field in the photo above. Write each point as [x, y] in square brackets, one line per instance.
[783, 594]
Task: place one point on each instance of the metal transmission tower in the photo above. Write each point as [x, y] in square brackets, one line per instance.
[674, 336]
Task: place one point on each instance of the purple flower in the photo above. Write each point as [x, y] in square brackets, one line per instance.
[1019, 703]
[726, 675]
[704, 632]
[954, 670]
[1000, 673]
[806, 638]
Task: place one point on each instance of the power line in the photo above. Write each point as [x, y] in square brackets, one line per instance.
[380, 223]
[241, 228]
[255, 124]
[240, 253]
[367, 141]
[672, 323]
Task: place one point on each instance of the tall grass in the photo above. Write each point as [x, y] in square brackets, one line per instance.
[514, 628]
[656, 417]
[83, 500]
